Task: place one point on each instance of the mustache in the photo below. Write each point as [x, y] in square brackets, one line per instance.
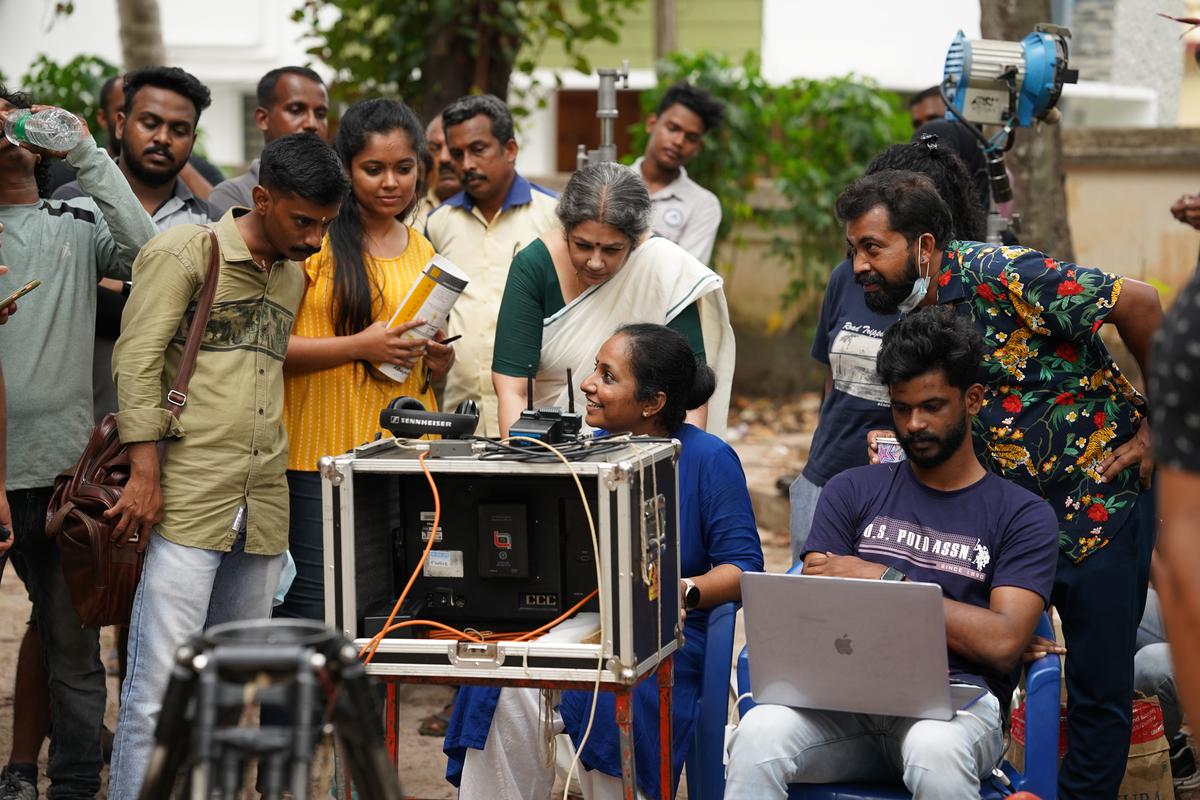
[162, 151]
[918, 438]
[302, 250]
[473, 176]
[869, 279]
[446, 169]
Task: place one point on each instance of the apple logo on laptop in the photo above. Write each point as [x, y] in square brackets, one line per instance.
[843, 645]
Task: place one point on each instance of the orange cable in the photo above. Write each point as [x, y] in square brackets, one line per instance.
[388, 626]
[437, 518]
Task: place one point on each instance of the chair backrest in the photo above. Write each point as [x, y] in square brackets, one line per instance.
[706, 758]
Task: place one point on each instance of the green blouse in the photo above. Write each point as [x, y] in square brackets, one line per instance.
[532, 295]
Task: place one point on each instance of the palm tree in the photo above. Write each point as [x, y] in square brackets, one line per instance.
[141, 33]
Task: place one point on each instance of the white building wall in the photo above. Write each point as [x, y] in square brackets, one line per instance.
[227, 44]
[899, 45]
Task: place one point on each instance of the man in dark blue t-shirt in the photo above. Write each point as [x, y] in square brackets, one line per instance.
[938, 517]
[850, 330]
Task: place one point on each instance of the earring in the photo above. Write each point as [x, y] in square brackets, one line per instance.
[645, 414]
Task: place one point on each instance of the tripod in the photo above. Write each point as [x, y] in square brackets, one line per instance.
[293, 664]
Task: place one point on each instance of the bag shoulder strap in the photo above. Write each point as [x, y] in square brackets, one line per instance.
[177, 397]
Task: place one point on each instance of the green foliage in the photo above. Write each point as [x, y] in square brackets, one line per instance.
[74, 85]
[433, 51]
[806, 138]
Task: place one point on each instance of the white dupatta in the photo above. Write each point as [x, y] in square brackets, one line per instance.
[659, 281]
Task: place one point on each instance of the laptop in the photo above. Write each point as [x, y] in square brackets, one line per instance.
[848, 644]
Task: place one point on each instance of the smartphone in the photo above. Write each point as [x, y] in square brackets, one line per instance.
[19, 293]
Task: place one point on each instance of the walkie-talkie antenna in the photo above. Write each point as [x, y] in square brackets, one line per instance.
[529, 387]
[570, 394]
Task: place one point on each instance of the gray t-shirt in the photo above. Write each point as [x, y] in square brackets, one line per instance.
[234, 192]
[46, 347]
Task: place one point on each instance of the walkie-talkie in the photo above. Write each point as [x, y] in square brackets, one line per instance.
[544, 424]
[572, 421]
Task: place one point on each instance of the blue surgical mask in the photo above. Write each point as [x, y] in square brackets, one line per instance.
[920, 286]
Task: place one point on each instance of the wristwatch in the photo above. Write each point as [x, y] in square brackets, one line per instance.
[691, 593]
[891, 574]
[126, 288]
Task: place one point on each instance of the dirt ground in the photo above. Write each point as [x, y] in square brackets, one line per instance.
[771, 440]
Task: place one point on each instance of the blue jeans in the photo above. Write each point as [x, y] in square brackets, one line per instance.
[802, 495]
[1100, 601]
[183, 591]
[77, 691]
[776, 745]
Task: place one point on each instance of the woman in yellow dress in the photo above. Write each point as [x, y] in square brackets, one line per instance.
[356, 282]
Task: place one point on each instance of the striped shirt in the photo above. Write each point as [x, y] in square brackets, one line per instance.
[330, 411]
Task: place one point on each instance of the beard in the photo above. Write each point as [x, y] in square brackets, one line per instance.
[890, 295]
[148, 176]
[945, 446]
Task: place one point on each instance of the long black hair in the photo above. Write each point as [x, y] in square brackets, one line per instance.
[938, 160]
[354, 293]
[662, 361]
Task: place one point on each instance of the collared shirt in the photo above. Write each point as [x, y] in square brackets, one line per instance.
[234, 192]
[1055, 404]
[484, 250]
[181, 208]
[229, 447]
[46, 348]
[686, 213]
[424, 207]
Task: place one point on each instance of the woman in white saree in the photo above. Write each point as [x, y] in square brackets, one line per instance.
[569, 290]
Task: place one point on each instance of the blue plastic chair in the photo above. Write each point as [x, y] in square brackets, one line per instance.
[1041, 738]
[706, 758]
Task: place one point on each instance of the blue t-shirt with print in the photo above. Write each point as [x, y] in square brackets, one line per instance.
[992, 533]
[847, 339]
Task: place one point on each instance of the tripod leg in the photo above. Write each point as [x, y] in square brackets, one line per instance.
[172, 734]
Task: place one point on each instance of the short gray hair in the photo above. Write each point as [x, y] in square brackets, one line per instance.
[609, 193]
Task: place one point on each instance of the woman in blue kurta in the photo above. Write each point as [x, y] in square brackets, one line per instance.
[645, 381]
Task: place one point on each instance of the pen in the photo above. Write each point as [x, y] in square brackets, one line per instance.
[451, 340]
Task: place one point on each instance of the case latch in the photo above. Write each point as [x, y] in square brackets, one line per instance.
[476, 654]
[327, 466]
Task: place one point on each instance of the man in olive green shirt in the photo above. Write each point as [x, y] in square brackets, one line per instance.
[215, 516]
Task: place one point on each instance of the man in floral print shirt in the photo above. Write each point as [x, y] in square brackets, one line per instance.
[1058, 418]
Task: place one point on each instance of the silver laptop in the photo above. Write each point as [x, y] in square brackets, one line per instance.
[847, 644]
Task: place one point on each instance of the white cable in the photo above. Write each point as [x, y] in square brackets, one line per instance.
[587, 510]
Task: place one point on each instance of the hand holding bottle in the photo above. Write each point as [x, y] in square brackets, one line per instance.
[45, 130]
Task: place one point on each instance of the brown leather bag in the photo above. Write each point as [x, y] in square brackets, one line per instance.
[102, 575]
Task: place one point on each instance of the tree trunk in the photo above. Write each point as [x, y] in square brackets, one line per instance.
[1036, 159]
[664, 28]
[141, 33]
[450, 71]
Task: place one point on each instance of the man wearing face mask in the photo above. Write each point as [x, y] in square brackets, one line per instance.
[1057, 418]
[848, 334]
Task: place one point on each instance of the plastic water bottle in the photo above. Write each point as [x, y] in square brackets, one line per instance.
[53, 129]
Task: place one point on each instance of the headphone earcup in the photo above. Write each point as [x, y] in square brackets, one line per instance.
[469, 407]
[406, 403]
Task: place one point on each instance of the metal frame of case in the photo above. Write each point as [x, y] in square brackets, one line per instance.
[641, 626]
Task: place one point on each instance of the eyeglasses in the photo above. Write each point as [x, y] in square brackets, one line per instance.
[930, 140]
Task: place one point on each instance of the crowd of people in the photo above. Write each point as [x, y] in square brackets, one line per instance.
[1028, 463]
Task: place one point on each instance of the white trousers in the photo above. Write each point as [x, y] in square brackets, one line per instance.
[514, 763]
[773, 746]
